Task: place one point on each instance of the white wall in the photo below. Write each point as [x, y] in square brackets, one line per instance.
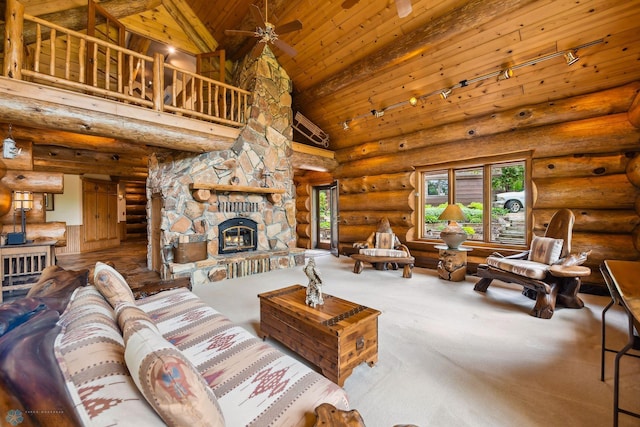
[68, 205]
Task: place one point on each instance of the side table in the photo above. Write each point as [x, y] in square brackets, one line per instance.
[453, 262]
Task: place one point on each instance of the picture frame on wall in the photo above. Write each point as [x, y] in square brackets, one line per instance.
[48, 201]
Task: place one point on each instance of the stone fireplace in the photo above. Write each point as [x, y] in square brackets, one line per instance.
[241, 200]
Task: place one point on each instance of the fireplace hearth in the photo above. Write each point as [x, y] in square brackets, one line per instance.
[237, 235]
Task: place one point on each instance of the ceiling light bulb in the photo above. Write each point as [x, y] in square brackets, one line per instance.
[571, 58]
[413, 101]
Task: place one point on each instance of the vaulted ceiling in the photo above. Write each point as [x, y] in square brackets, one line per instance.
[362, 64]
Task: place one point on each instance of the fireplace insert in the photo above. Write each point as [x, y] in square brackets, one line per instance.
[237, 235]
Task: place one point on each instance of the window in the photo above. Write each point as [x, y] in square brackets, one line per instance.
[491, 194]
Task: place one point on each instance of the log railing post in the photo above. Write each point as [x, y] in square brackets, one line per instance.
[158, 82]
[13, 40]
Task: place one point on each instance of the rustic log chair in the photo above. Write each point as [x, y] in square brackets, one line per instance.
[383, 250]
[547, 271]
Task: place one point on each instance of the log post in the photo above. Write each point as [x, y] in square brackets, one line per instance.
[158, 82]
[13, 42]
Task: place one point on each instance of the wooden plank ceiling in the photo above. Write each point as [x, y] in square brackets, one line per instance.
[352, 62]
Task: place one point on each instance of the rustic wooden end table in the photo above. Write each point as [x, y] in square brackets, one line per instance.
[336, 336]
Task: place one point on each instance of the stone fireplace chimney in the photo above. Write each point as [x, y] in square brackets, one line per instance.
[252, 179]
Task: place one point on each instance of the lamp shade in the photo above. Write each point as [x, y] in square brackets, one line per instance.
[453, 235]
[23, 200]
[452, 213]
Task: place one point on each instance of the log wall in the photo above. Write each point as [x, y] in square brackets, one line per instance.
[584, 154]
[17, 174]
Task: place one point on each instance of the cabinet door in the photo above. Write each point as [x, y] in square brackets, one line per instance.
[89, 212]
[112, 215]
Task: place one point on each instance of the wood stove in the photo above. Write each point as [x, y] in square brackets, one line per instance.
[237, 235]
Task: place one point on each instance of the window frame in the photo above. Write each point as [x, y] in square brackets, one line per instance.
[485, 163]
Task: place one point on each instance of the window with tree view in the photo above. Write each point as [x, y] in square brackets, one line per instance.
[491, 195]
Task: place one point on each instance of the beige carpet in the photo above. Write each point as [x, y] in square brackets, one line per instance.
[450, 356]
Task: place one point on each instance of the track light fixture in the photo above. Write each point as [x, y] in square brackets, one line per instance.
[345, 125]
[570, 55]
[505, 74]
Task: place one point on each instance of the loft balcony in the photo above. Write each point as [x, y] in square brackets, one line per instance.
[56, 78]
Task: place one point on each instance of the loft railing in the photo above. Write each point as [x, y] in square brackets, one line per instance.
[71, 60]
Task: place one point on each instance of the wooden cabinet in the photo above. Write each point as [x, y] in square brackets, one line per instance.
[100, 214]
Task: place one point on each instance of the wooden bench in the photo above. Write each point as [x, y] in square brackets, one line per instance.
[383, 263]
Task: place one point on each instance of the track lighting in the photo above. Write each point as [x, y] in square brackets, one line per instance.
[505, 74]
[571, 57]
[345, 125]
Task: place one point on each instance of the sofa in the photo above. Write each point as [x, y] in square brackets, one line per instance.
[79, 353]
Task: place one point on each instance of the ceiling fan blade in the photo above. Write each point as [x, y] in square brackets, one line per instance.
[289, 27]
[257, 15]
[404, 7]
[257, 50]
[348, 4]
[239, 32]
[285, 48]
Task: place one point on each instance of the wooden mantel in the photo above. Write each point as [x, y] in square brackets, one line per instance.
[201, 191]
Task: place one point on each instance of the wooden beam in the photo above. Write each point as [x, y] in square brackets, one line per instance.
[472, 14]
[73, 161]
[38, 182]
[28, 104]
[191, 24]
[78, 141]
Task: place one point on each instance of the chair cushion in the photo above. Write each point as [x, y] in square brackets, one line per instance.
[545, 250]
[521, 267]
[395, 253]
[384, 240]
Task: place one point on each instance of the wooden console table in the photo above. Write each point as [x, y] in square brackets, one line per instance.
[21, 265]
[336, 336]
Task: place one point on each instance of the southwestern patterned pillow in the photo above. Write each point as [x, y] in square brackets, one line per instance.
[168, 380]
[90, 353]
[384, 240]
[131, 318]
[112, 285]
[545, 250]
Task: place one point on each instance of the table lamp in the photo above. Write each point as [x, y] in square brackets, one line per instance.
[453, 234]
[22, 201]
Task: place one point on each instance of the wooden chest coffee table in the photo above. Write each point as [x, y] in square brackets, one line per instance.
[336, 336]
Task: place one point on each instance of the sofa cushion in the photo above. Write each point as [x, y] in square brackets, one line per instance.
[395, 253]
[169, 382]
[521, 267]
[112, 285]
[90, 353]
[130, 318]
[255, 383]
[545, 250]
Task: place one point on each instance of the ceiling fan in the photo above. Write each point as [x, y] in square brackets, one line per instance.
[403, 6]
[266, 32]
